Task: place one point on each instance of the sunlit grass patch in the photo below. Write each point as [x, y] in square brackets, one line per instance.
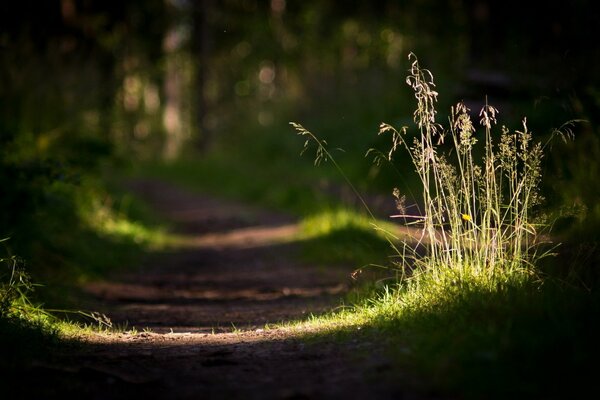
[344, 236]
[402, 303]
[327, 222]
[100, 214]
[523, 338]
[27, 328]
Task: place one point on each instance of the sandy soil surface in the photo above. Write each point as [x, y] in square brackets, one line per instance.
[206, 305]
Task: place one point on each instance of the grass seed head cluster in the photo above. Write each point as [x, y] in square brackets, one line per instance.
[477, 207]
[479, 191]
[480, 188]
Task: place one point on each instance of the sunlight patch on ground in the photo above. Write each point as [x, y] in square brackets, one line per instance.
[152, 340]
[263, 236]
[244, 238]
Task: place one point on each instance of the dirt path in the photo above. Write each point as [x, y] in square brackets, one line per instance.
[239, 270]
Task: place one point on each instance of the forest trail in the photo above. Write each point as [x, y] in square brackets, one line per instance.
[236, 269]
[206, 305]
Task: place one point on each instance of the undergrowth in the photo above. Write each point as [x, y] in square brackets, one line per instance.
[88, 233]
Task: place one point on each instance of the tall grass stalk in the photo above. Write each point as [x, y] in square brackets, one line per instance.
[323, 154]
[476, 220]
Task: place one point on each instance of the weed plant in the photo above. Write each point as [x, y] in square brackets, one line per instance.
[24, 327]
[477, 220]
[15, 285]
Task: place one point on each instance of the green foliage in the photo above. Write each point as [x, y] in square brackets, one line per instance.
[524, 339]
[343, 236]
[23, 325]
[15, 285]
[478, 217]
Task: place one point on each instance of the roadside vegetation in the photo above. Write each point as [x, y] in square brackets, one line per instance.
[63, 232]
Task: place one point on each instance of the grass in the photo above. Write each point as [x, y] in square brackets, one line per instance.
[26, 328]
[123, 218]
[525, 340]
[474, 313]
[343, 236]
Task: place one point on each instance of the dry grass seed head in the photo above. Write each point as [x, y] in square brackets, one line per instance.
[488, 116]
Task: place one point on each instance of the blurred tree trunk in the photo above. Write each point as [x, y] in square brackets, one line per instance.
[201, 46]
[172, 111]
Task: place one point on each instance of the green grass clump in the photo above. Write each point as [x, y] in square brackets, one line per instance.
[344, 236]
[478, 214]
[478, 211]
[123, 219]
[24, 327]
[15, 287]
